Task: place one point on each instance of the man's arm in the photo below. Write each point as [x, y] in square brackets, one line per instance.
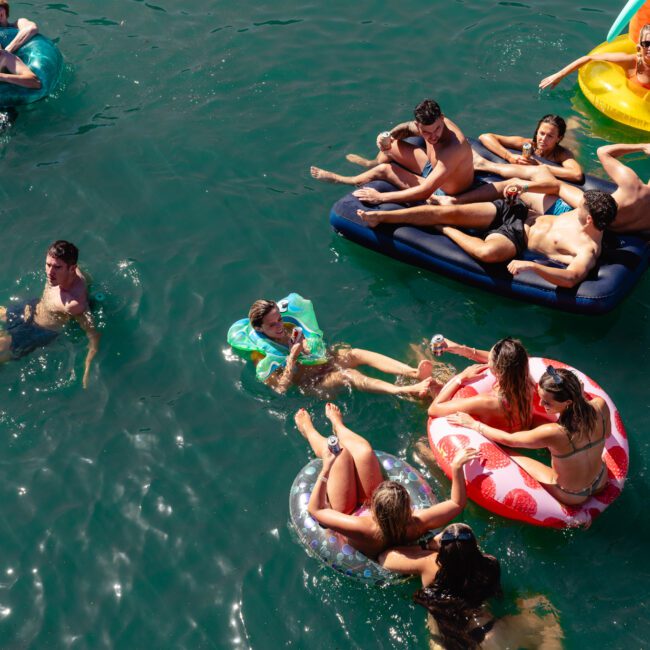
[19, 74]
[621, 174]
[87, 324]
[573, 274]
[404, 130]
[26, 29]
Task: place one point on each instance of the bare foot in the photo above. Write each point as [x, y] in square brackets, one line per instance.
[358, 160]
[333, 414]
[371, 218]
[303, 421]
[480, 163]
[421, 389]
[424, 369]
[323, 175]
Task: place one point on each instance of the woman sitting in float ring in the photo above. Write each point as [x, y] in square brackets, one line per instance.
[545, 143]
[636, 66]
[509, 403]
[457, 580]
[353, 477]
[575, 441]
[336, 368]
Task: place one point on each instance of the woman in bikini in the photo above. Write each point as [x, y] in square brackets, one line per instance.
[636, 66]
[576, 440]
[353, 477]
[457, 581]
[509, 403]
[545, 144]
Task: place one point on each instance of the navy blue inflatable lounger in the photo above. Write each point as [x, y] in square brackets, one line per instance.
[622, 262]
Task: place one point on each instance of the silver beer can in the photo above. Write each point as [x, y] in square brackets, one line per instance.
[333, 444]
[527, 151]
[385, 139]
[438, 345]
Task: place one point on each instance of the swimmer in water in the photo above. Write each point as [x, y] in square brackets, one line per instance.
[340, 367]
[36, 323]
[27, 29]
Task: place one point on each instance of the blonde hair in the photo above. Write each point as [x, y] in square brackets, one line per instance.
[391, 508]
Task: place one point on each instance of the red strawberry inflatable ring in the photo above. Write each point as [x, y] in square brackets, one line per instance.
[502, 486]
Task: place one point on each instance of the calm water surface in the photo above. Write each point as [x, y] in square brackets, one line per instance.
[151, 510]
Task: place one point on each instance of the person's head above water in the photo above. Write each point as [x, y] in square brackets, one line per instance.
[561, 393]
[429, 120]
[265, 318]
[4, 12]
[391, 507]
[508, 361]
[548, 133]
[61, 263]
[601, 207]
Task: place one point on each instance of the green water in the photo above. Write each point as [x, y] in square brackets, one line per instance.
[151, 510]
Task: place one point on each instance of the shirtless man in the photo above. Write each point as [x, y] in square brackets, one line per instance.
[572, 238]
[444, 167]
[35, 323]
[26, 28]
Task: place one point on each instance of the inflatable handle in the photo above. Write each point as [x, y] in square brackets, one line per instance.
[624, 18]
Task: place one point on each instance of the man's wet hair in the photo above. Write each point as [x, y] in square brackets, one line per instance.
[427, 112]
[602, 207]
[63, 250]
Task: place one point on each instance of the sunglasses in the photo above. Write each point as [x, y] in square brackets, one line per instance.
[461, 535]
[644, 44]
[555, 375]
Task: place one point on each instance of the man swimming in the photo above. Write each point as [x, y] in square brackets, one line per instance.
[572, 238]
[445, 166]
[26, 28]
[36, 323]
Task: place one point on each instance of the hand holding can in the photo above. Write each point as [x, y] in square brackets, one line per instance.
[438, 345]
[333, 444]
[384, 140]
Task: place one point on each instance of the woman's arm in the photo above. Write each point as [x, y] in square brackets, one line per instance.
[411, 560]
[624, 60]
[442, 513]
[537, 438]
[497, 144]
[474, 354]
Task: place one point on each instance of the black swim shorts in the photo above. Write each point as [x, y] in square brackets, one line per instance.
[509, 222]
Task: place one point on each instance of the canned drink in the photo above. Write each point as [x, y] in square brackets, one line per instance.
[296, 333]
[527, 151]
[511, 194]
[438, 345]
[333, 444]
[385, 139]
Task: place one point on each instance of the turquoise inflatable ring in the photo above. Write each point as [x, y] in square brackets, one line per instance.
[43, 58]
[328, 547]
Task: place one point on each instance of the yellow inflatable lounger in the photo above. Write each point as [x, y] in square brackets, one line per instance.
[606, 86]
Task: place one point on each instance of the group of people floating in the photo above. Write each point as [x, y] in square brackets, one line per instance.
[537, 206]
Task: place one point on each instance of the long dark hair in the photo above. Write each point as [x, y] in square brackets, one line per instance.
[579, 418]
[510, 363]
[466, 578]
[556, 121]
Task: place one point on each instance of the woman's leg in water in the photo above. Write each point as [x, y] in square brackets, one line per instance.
[353, 357]
[354, 379]
[368, 470]
[342, 481]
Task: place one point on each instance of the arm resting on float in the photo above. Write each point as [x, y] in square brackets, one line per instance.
[569, 277]
[19, 74]
[537, 438]
[621, 174]
[27, 29]
[497, 144]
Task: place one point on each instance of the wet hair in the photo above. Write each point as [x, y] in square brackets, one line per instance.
[391, 507]
[427, 112]
[5, 5]
[65, 251]
[554, 120]
[259, 309]
[466, 578]
[510, 364]
[580, 416]
[602, 207]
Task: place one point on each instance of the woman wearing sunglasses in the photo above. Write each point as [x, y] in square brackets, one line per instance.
[636, 66]
[576, 440]
[508, 404]
[457, 580]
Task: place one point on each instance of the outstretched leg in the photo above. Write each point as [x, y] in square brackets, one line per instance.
[495, 247]
[383, 171]
[476, 215]
[368, 470]
[353, 357]
[342, 481]
[354, 379]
